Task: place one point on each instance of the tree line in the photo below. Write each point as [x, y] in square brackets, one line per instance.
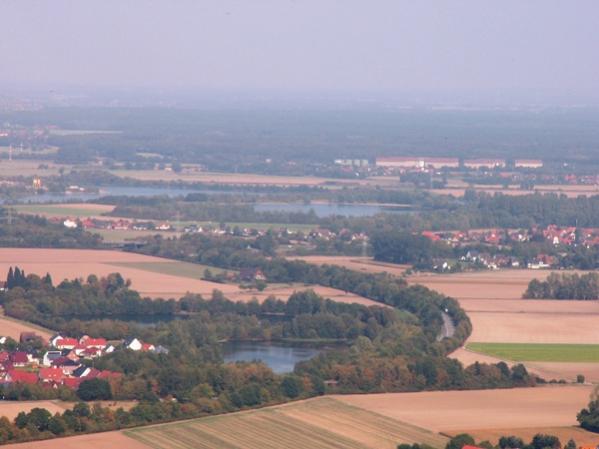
[564, 286]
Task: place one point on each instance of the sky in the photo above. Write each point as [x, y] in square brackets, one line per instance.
[303, 45]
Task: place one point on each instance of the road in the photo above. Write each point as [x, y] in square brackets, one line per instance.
[448, 328]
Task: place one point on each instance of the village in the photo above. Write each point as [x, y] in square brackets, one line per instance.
[61, 361]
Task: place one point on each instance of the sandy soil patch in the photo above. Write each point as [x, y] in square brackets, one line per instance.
[105, 440]
[447, 411]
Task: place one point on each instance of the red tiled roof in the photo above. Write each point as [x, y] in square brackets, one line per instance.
[19, 357]
[55, 374]
[72, 382]
[99, 342]
[23, 377]
[66, 342]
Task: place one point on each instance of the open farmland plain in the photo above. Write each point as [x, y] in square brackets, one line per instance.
[493, 301]
[450, 412]
[316, 423]
[151, 276]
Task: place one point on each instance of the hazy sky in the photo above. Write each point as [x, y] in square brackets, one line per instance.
[301, 45]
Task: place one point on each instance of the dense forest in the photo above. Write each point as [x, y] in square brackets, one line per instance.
[217, 137]
[565, 286]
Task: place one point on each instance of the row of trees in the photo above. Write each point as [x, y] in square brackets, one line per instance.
[565, 286]
[539, 441]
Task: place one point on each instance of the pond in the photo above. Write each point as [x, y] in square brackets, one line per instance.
[281, 359]
[330, 209]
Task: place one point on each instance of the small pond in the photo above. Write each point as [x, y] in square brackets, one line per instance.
[280, 358]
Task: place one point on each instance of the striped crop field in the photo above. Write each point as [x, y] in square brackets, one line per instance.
[317, 423]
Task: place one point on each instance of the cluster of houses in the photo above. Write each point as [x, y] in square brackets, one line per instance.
[557, 235]
[315, 234]
[62, 364]
[424, 162]
[116, 224]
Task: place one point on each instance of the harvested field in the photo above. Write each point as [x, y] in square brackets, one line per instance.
[30, 167]
[11, 409]
[151, 276]
[510, 327]
[450, 411]
[315, 423]
[493, 301]
[10, 327]
[363, 264]
[571, 191]
[522, 352]
[104, 440]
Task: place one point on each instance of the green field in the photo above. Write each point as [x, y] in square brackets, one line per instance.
[316, 423]
[539, 352]
[180, 269]
[60, 210]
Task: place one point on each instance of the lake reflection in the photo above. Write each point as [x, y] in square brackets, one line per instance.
[281, 359]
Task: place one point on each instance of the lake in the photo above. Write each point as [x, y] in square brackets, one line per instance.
[330, 209]
[281, 359]
[106, 191]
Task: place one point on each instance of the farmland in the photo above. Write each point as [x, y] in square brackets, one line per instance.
[9, 327]
[11, 409]
[151, 276]
[521, 352]
[104, 440]
[493, 301]
[315, 423]
[363, 264]
[451, 411]
[73, 210]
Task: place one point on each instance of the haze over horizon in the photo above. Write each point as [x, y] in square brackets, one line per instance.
[513, 51]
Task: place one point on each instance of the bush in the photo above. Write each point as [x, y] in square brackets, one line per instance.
[94, 389]
[459, 441]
